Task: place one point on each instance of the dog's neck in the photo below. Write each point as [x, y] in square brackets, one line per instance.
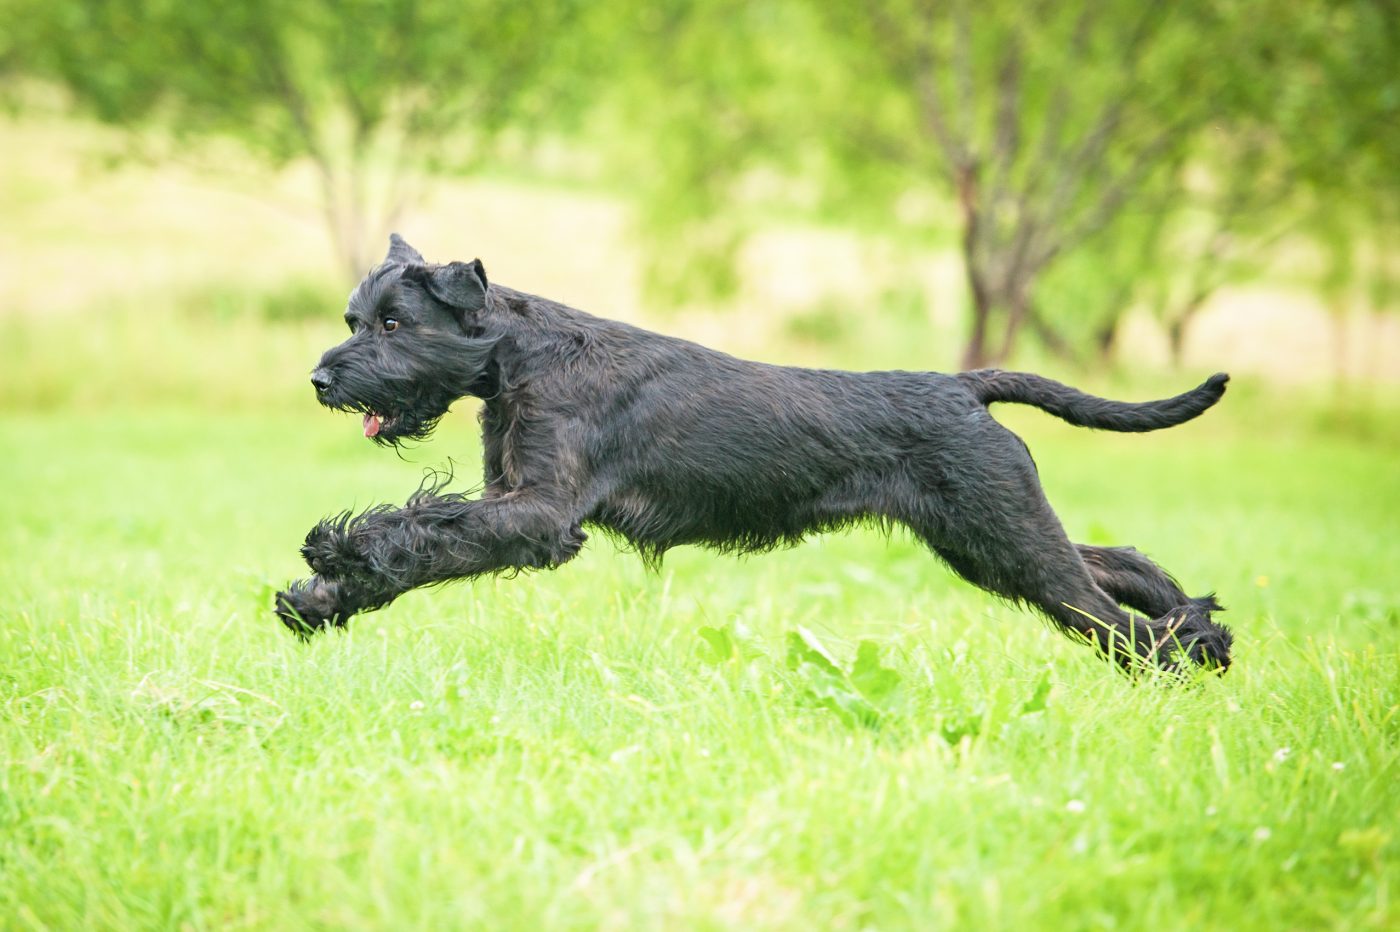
[532, 333]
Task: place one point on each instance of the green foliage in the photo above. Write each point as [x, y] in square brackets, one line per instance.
[827, 324]
[292, 301]
[699, 99]
[298, 300]
[1086, 155]
[373, 93]
[717, 645]
[1310, 112]
[274, 73]
[862, 695]
[733, 643]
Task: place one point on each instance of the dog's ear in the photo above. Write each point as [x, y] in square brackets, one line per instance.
[400, 253]
[460, 284]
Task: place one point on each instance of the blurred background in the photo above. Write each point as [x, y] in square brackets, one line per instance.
[1114, 191]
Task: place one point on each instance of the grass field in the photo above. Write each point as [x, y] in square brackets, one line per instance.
[606, 747]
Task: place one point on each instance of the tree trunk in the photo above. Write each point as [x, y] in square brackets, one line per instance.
[1106, 340]
[975, 355]
[1016, 310]
[356, 255]
[1176, 329]
[1176, 340]
[349, 216]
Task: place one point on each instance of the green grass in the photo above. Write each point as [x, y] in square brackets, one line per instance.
[566, 750]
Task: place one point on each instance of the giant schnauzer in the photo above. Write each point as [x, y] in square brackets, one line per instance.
[593, 423]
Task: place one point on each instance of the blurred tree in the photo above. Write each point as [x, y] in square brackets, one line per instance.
[1041, 121]
[1210, 217]
[1305, 151]
[371, 92]
[701, 95]
[1340, 128]
[1045, 121]
[1086, 149]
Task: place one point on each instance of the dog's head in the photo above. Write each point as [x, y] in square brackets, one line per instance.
[417, 344]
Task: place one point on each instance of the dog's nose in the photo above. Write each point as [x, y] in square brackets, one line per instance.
[321, 378]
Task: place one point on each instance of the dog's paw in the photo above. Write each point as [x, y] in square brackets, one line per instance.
[1187, 639]
[310, 605]
[330, 551]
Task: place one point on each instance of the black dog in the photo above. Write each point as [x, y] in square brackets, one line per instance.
[588, 422]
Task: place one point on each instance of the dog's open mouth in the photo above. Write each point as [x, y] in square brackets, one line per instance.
[392, 429]
[374, 423]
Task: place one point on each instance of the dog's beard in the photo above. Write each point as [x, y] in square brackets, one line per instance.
[402, 394]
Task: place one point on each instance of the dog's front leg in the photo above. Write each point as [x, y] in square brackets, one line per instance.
[366, 561]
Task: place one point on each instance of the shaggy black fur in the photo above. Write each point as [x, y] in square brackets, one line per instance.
[589, 422]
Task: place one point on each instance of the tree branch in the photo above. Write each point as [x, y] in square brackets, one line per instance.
[1088, 158]
[966, 113]
[1115, 192]
[1051, 338]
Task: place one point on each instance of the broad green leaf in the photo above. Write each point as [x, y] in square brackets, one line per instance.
[1040, 698]
[716, 645]
[803, 647]
[956, 727]
[834, 691]
[875, 682]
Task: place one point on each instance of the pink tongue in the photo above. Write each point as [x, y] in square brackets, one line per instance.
[371, 425]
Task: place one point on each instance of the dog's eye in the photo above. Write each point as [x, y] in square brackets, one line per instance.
[390, 325]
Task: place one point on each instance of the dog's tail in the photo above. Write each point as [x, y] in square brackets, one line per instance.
[989, 385]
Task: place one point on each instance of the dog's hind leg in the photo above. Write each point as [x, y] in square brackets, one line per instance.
[991, 522]
[1054, 579]
[1135, 581]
